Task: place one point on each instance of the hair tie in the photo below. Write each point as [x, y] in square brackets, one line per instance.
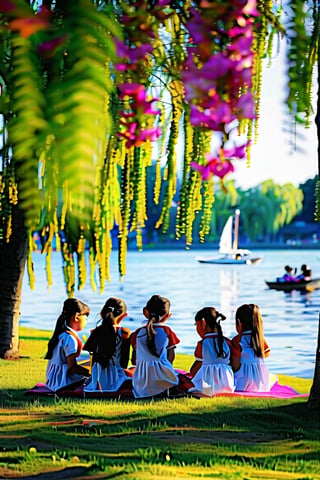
[220, 316]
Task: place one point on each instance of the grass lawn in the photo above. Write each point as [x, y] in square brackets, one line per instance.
[219, 438]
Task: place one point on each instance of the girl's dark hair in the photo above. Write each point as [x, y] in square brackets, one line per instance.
[213, 318]
[102, 342]
[71, 306]
[249, 316]
[157, 306]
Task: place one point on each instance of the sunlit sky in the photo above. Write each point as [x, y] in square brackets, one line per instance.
[274, 155]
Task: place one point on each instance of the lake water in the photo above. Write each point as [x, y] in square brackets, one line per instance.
[290, 319]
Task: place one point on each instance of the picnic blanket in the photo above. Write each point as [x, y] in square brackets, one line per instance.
[277, 391]
[41, 389]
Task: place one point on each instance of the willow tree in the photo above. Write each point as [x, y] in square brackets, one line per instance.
[87, 89]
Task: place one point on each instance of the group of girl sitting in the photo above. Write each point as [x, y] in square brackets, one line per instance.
[221, 365]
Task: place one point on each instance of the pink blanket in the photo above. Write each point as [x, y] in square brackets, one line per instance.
[42, 389]
[277, 391]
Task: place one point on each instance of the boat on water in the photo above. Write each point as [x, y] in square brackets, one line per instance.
[302, 285]
[229, 252]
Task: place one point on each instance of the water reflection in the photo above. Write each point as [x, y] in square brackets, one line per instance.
[229, 297]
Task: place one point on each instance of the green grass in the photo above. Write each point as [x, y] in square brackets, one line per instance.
[218, 438]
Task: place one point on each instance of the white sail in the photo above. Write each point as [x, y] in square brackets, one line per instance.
[229, 251]
[225, 245]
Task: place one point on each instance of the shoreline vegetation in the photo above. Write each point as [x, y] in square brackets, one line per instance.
[181, 245]
[223, 437]
[177, 245]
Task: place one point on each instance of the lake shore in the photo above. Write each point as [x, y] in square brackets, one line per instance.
[290, 320]
[225, 438]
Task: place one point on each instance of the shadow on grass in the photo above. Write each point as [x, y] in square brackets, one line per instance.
[257, 433]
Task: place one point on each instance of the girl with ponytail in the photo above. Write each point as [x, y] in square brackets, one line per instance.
[109, 346]
[211, 372]
[153, 351]
[65, 346]
[250, 371]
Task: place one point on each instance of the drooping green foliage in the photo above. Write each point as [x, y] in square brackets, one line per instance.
[302, 54]
[268, 207]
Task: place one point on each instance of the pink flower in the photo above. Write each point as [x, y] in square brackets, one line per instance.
[133, 54]
[136, 136]
[215, 166]
[138, 95]
[246, 106]
[242, 46]
[205, 170]
[221, 168]
[162, 3]
[237, 151]
[132, 89]
[217, 66]
[151, 134]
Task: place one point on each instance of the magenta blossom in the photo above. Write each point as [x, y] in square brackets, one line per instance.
[132, 89]
[198, 30]
[129, 133]
[237, 151]
[151, 134]
[215, 167]
[205, 170]
[133, 54]
[246, 106]
[221, 168]
[139, 102]
[213, 118]
[137, 136]
[162, 3]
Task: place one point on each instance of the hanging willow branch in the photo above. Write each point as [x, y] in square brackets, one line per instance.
[87, 91]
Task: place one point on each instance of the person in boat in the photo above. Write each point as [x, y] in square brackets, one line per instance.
[289, 275]
[305, 275]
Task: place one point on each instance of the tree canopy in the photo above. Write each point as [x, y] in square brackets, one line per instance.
[94, 92]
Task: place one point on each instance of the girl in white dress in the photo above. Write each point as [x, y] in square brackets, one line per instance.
[109, 345]
[250, 348]
[65, 346]
[211, 372]
[153, 351]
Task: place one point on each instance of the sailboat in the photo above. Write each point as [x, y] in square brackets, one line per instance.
[229, 252]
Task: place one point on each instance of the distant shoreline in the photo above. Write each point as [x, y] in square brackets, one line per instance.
[213, 247]
[200, 246]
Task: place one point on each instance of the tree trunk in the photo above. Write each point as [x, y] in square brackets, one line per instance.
[12, 265]
[314, 397]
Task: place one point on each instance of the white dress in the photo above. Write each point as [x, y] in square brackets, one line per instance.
[253, 374]
[153, 374]
[215, 374]
[110, 378]
[57, 375]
